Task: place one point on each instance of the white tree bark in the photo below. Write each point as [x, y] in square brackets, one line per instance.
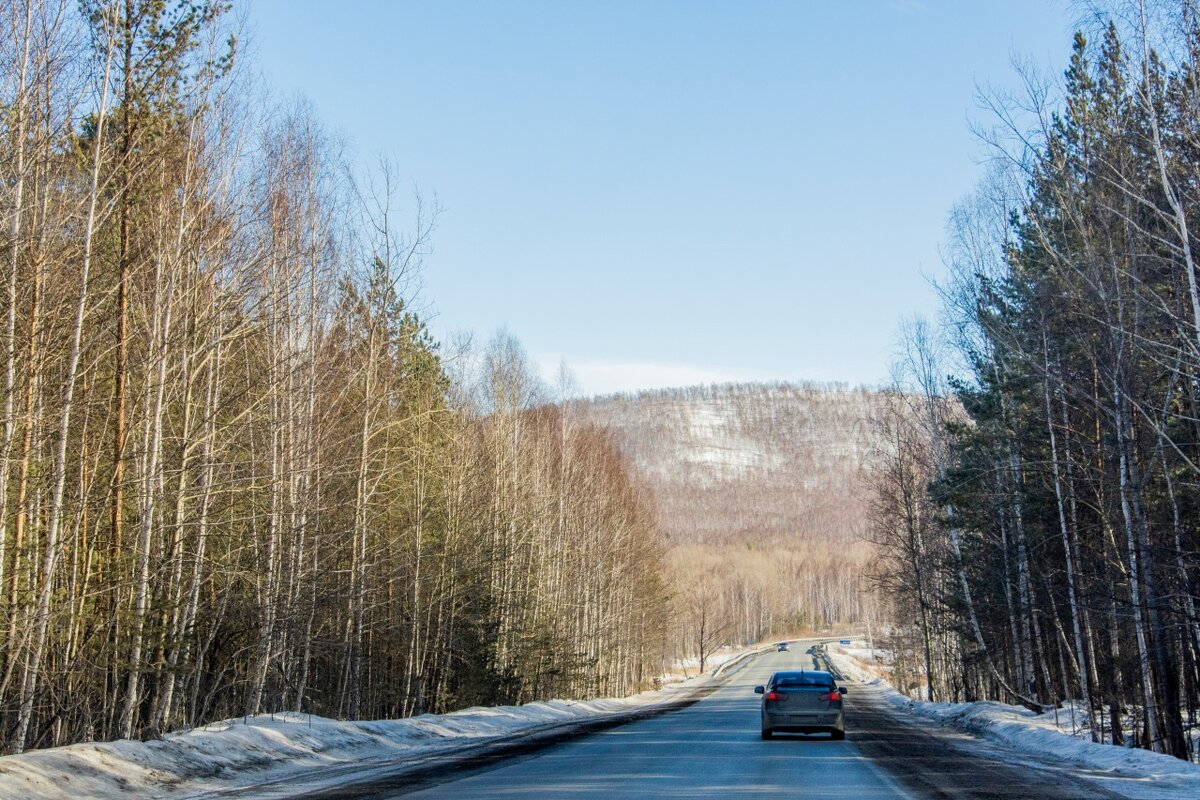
[50, 557]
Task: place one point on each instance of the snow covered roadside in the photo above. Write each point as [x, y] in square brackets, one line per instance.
[716, 663]
[283, 749]
[1132, 772]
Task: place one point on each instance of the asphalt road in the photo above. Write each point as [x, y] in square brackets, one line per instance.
[709, 749]
[713, 749]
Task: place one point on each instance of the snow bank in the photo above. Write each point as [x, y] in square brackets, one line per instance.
[269, 748]
[685, 668]
[1143, 774]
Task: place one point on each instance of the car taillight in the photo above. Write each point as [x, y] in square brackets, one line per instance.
[834, 696]
[775, 696]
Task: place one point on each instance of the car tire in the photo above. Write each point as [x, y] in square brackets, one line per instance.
[838, 735]
[766, 733]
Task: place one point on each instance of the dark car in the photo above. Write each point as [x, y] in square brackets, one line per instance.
[782, 647]
[802, 701]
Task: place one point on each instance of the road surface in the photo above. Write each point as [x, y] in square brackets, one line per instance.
[712, 749]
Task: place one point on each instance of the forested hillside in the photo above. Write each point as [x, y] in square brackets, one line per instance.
[759, 489]
[1046, 544]
[236, 474]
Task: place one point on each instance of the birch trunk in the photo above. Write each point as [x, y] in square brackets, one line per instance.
[18, 110]
[1081, 660]
[150, 488]
[51, 545]
[1133, 556]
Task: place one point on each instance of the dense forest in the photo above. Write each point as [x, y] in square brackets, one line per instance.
[236, 473]
[1038, 514]
[759, 489]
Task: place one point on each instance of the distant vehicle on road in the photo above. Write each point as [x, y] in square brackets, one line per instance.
[782, 647]
[802, 701]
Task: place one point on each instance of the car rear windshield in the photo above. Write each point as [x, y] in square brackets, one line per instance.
[818, 679]
[801, 682]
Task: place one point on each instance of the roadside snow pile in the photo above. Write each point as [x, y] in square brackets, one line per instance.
[1036, 734]
[688, 668]
[868, 655]
[246, 752]
[868, 664]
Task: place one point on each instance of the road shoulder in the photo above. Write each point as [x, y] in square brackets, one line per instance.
[937, 762]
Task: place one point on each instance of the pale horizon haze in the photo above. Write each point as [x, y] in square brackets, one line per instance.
[670, 193]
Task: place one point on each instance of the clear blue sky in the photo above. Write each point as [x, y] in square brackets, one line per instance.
[670, 192]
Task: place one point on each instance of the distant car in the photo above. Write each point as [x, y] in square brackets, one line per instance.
[782, 647]
[802, 701]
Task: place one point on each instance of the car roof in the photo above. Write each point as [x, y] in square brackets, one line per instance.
[802, 676]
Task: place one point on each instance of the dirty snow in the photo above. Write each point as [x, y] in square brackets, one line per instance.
[1132, 772]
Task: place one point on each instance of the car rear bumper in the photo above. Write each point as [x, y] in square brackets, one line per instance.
[803, 723]
[802, 729]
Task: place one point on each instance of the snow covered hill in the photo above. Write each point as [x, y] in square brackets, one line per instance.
[759, 488]
[765, 461]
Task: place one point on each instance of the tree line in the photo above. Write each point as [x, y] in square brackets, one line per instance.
[236, 473]
[1037, 513]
